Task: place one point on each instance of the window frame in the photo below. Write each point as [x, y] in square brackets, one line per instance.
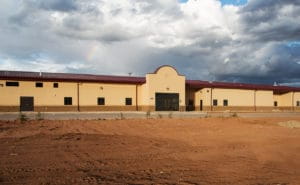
[225, 103]
[99, 102]
[215, 102]
[39, 84]
[128, 101]
[67, 99]
[55, 85]
[12, 84]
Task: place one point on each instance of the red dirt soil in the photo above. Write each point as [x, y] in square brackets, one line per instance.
[239, 151]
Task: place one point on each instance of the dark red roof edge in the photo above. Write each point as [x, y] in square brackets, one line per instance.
[228, 85]
[71, 77]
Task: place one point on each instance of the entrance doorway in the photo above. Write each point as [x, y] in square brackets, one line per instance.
[26, 103]
[166, 101]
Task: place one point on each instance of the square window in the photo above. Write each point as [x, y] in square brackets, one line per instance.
[225, 103]
[101, 101]
[55, 85]
[38, 84]
[12, 84]
[275, 103]
[215, 102]
[128, 101]
[68, 101]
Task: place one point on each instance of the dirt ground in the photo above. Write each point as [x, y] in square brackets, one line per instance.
[238, 151]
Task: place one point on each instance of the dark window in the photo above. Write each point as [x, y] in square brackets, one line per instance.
[298, 103]
[55, 85]
[101, 101]
[38, 84]
[16, 84]
[68, 101]
[225, 102]
[215, 102]
[128, 101]
[275, 103]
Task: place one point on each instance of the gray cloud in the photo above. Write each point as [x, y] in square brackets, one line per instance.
[57, 5]
[202, 39]
[271, 20]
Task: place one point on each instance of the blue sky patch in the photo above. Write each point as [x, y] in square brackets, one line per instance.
[226, 2]
[234, 2]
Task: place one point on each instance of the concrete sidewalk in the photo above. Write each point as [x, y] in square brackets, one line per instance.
[9, 116]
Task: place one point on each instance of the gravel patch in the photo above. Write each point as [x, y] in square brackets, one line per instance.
[290, 124]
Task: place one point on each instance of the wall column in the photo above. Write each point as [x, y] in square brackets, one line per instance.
[211, 100]
[254, 100]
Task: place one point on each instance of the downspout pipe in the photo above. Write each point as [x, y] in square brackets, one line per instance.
[136, 98]
[78, 106]
[211, 100]
[255, 100]
[293, 106]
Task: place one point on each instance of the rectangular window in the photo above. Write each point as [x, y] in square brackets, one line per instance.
[68, 101]
[215, 102]
[225, 103]
[101, 101]
[12, 84]
[38, 84]
[275, 103]
[55, 85]
[298, 103]
[128, 101]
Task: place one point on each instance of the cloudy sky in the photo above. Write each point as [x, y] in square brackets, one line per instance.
[254, 41]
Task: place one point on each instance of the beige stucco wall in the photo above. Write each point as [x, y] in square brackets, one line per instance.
[204, 95]
[47, 95]
[143, 94]
[264, 98]
[235, 97]
[284, 100]
[296, 98]
[114, 94]
[165, 80]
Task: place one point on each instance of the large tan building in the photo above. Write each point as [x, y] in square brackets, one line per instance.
[163, 90]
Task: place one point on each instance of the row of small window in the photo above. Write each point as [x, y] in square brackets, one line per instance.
[100, 101]
[225, 103]
[37, 84]
[276, 103]
[215, 102]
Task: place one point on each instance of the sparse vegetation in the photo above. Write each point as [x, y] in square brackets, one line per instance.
[170, 115]
[234, 115]
[39, 116]
[122, 116]
[148, 114]
[23, 118]
[159, 115]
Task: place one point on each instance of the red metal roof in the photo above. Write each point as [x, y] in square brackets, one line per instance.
[69, 77]
[207, 84]
[37, 76]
